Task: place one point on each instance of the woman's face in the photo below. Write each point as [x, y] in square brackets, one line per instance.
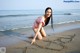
[48, 13]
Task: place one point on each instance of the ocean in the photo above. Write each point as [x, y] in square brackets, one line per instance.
[16, 19]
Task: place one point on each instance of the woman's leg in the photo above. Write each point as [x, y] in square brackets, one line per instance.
[43, 32]
[39, 36]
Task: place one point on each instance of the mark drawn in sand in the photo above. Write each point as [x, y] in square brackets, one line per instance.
[60, 43]
[55, 45]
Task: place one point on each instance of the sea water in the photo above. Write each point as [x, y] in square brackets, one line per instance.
[16, 19]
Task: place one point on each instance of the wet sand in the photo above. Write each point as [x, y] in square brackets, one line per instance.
[64, 39]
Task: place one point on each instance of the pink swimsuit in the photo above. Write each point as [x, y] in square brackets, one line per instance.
[38, 21]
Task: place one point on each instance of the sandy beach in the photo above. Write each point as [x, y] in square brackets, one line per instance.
[65, 38]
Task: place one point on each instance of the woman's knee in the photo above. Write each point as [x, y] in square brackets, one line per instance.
[39, 37]
[43, 33]
[39, 34]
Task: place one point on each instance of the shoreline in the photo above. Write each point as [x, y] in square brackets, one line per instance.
[18, 41]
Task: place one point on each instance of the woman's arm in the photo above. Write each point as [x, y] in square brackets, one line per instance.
[40, 25]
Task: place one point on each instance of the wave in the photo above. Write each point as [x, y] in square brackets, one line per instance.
[12, 15]
[67, 22]
[19, 15]
[16, 28]
[29, 27]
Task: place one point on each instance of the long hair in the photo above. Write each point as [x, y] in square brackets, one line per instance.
[48, 19]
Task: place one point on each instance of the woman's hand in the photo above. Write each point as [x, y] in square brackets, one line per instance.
[33, 41]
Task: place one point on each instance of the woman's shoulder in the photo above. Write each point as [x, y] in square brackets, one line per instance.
[40, 17]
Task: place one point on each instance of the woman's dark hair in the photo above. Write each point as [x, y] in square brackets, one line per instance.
[48, 19]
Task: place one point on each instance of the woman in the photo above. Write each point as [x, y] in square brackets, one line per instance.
[40, 23]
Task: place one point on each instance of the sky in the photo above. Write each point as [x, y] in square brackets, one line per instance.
[37, 4]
